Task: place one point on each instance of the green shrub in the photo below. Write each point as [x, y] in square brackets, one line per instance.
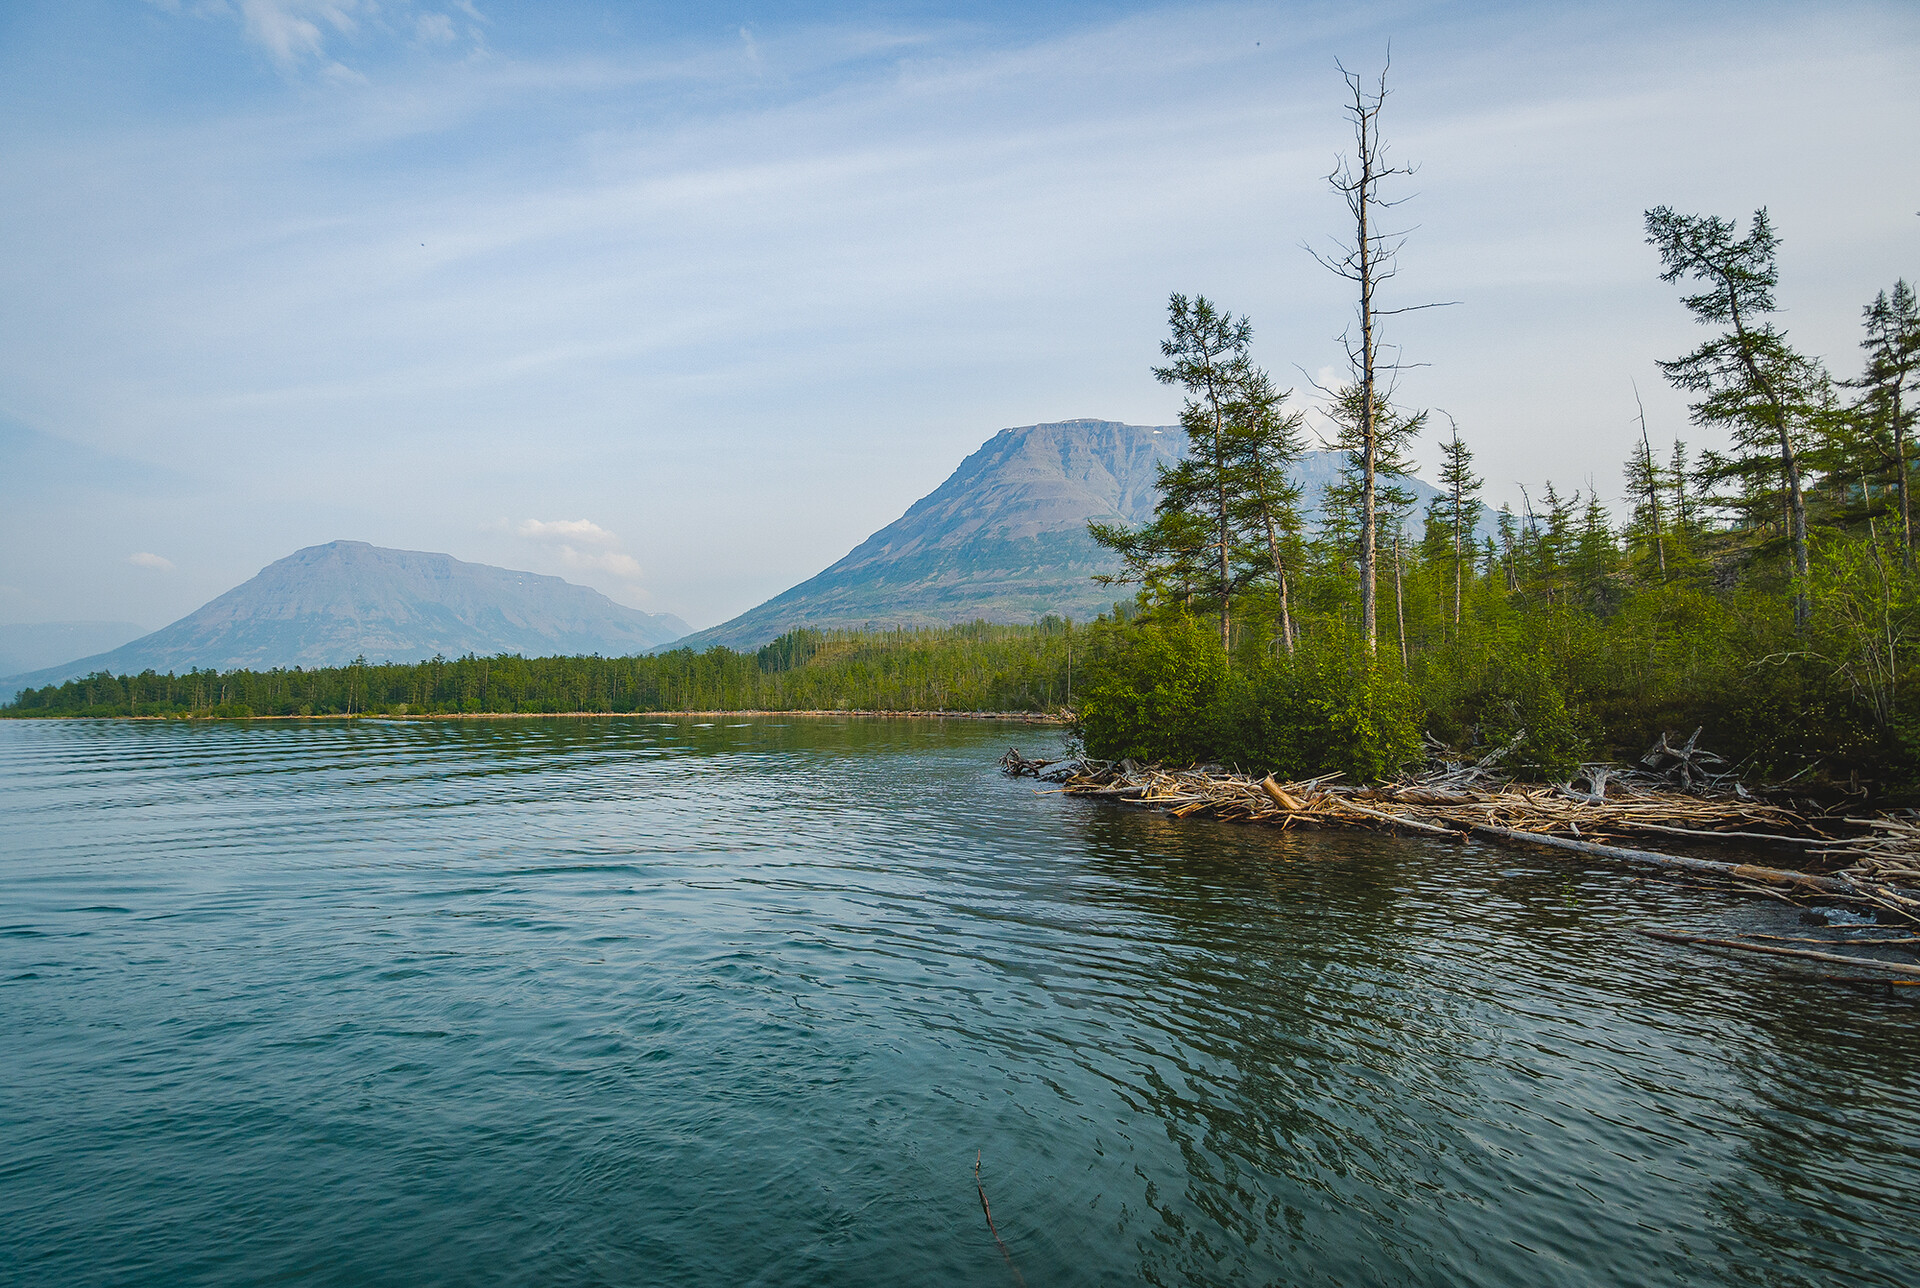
[1160, 691]
[1152, 691]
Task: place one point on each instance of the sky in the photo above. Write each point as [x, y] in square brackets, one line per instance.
[682, 302]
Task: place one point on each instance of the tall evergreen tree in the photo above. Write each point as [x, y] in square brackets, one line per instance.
[1192, 548]
[1893, 367]
[1750, 380]
[1460, 491]
[1643, 488]
[1207, 357]
[1265, 442]
[1683, 515]
[1367, 501]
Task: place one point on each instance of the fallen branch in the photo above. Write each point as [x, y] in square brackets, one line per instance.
[1865, 963]
[1739, 871]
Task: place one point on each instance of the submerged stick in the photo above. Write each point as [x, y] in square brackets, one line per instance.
[1017, 1277]
[1865, 963]
[1805, 939]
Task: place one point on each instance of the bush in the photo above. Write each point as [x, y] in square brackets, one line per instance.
[1152, 691]
[1160, 691]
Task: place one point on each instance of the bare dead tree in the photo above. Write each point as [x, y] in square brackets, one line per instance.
[1368, 262]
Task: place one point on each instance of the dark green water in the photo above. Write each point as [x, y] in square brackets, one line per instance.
[621, 1002]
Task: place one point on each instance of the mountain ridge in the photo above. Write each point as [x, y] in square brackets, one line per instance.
[327, 604]
[1002, 538]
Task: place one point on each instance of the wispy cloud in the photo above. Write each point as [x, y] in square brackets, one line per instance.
[299, 34]
[147, 559]
[434, 29]
[583, 531]
[290, 30]
[566, 537]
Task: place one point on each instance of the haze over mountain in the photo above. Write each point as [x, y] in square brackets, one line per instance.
[1004, 538]
[326, 605]
[28, 646]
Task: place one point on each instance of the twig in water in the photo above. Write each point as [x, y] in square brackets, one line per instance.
[1017, 1277]
[1865, 963]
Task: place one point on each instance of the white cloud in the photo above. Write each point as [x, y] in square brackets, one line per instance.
[147, 559]
[582, 531]
[433, 29]
[289, 30]
[621, 565]
[297, 33]
[566, 536]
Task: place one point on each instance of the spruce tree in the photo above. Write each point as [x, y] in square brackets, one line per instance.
[1207, 357]
[1460, 490]
[1189, 549]
[1750, 380]
[1893, 367]
[1263, 445]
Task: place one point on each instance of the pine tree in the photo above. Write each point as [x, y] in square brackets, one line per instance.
[1643, 488]
[1893, 367]
[1683, 515]
[1366, 503]
[1749, 379]
[1207, 354]
[1460, 491]
[1189, 548]
[1265, 442]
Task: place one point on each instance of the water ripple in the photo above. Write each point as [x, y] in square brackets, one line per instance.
[589, 1002]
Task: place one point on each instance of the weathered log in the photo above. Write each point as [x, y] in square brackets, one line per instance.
[1742, 871]
[1803, 939]
[1279, 796]
[1804, 841]
[1865, 963]
[1398, 820]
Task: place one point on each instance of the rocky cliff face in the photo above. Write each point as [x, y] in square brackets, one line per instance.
[326, 605]
[1004, 538]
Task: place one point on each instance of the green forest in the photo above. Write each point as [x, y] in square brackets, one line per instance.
[1762, 591]
[1766, 592]
[977, 667]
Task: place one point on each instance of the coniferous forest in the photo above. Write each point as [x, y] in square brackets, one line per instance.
[1763, 591]
[977, 667]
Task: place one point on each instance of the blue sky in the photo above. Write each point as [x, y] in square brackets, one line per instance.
[684, 301]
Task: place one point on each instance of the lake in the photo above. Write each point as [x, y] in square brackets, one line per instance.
[652, 1001]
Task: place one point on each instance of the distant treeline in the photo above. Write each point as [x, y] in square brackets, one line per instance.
[976, 667]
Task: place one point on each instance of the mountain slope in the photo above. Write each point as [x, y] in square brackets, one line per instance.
[1004, 538]
[326, 605]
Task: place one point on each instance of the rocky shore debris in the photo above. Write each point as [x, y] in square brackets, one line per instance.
[1676, 794]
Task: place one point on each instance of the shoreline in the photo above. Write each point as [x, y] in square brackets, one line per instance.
[1021, 717]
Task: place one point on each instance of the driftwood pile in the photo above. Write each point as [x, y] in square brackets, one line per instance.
[1677, 794]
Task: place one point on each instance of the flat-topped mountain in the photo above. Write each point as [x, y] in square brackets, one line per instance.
[1004, 538]
[326, 605]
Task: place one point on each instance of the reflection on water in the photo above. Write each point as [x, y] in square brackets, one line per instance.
[739, 1001]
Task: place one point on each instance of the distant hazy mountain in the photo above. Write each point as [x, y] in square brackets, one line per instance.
[1004, 538]
[28, 646]
[326, 605]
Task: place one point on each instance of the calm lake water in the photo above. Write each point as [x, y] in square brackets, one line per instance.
[674, 1002]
